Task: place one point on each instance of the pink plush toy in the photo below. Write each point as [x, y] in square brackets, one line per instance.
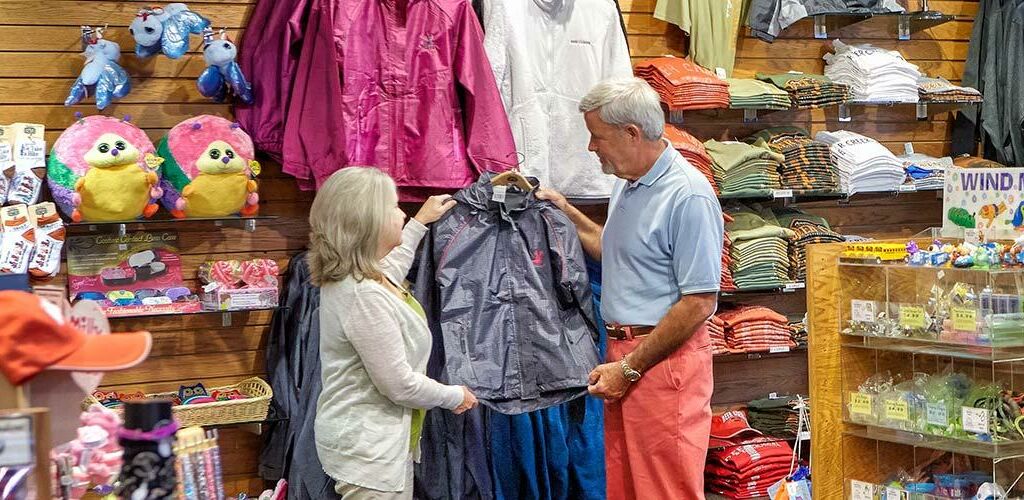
[95, 454]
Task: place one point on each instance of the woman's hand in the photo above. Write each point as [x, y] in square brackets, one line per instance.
[468, 402]
[434, 208]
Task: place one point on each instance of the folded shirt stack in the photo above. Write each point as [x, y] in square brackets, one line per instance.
[799, 332]
[940, 90]
[682, 84]
[716, 330]
[807, 167]
[874, 74]
[925, 173]
[745, 93]
[742, 463]
[756, 329]
[808, 90]
[693, 150]
[778, 416]
[760, 249]
[807, 230]
[744, 170]
[864, 165]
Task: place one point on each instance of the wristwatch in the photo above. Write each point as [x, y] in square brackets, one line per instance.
[628, 372]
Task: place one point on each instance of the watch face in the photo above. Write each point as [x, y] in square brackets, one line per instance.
[633, 376]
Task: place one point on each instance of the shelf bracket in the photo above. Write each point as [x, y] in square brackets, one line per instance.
[122, 230]
[904, 27]
[675, 117]
[820, 31]
[922, 111]
[749, 115]
[844, 113]
[250, 225]
[225, 319]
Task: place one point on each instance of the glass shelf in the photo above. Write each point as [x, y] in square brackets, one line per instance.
[993, 451]
[121, 227]
[902, 24]
[929, 347]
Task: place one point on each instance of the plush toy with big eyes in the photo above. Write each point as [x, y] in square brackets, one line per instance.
[104, 169]
[223, 74]
[102, 75]
[165, 30]
[209, 169]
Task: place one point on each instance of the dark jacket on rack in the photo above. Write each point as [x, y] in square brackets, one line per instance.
[293, 366]
[507, 296]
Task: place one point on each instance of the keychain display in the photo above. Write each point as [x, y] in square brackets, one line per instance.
[165, 30]
[102, 74]
[223, 76]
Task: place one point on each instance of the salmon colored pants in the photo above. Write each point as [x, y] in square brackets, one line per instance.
[656, 437]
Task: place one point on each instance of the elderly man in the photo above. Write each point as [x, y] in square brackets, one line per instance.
[660, 251]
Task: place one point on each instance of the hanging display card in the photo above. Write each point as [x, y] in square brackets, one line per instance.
[990, 200]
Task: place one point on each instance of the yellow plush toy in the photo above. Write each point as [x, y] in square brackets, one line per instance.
[222, 184]
[115, 188]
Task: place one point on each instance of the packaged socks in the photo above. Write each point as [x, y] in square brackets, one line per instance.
[29, 163]
[18, 240]
[49, 236]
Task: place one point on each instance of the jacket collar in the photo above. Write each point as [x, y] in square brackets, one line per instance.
[550, 7]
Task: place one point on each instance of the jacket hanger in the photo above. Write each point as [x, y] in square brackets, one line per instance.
[513, 177]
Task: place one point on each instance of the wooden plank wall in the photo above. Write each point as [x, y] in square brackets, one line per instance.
[39, 59]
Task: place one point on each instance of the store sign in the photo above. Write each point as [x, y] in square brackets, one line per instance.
[863, 311]
[975, 420]
[989, 200]
[938, 414]
[16, 447]
[896, 409]
[859, 490]
[912, 317]
[965, 319]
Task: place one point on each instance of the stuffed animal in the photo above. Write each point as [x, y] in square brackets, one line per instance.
[223, 74]
[101, 75]
[1018, 217]
[165, 30]
[209, 170]
[104, 169]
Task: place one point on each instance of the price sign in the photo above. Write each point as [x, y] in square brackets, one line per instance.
[782, 193]
[777, 349]
[859, 490]
[860, 403]
[965, 319]
[938, 414]
[896, 409]
[894, 493]
[972, 236]
[863, 311]
[975, 420]
[912, 316]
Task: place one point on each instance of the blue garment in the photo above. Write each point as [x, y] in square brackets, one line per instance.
[676, 251]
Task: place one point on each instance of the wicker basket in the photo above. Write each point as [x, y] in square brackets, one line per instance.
[252, 409]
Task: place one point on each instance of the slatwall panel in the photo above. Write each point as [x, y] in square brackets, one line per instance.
[39, 59]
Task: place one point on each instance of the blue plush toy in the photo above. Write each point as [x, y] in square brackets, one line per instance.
[101, 74]
[165, 30]
[222, 74]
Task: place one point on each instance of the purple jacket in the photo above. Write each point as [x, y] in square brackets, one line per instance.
[269, 56]
[402, 85]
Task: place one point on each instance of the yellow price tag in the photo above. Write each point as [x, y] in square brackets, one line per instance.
[255, 168]
[896, 409]
[860, 403]
[912, 316]
[965, 319]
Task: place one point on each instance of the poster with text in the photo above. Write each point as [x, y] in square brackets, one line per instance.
[989, 200]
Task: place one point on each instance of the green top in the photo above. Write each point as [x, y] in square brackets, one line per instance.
[418, 415]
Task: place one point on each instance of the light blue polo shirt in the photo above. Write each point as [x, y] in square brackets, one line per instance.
[662, 240]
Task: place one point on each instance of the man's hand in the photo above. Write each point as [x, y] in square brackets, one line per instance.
[608, 382]
[553, 196]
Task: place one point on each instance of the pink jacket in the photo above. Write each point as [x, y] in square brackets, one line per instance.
[403, 85]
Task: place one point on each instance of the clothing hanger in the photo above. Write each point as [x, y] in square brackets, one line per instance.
[513, 177]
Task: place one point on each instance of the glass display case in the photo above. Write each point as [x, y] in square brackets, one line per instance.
[932, 368]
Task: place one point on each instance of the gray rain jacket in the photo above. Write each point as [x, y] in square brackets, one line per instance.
[508, 300]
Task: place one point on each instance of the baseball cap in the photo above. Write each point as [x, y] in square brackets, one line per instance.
[730, 425]
[34, 336]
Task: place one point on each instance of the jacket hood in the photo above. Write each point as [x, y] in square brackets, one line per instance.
[479, 195]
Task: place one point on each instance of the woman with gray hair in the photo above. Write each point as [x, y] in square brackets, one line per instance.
[374, 340]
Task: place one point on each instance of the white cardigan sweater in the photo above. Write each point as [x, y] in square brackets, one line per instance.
[373, 354]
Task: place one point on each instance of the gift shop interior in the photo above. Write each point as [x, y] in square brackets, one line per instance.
[205, 291]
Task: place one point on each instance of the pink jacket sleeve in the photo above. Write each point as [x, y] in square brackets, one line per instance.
[313, 136]
[489, 141]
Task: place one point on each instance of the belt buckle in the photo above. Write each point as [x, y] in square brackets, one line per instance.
[625, 330]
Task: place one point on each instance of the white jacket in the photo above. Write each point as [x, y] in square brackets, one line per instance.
[546, 55]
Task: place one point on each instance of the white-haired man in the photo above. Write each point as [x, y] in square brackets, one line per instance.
[660, 251]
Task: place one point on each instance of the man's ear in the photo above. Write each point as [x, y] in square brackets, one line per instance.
[634, 131]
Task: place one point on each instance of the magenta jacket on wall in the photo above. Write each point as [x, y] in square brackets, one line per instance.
[269, 54]
[403, 85]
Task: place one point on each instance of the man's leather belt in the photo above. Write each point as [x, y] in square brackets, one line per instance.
[627, 332]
